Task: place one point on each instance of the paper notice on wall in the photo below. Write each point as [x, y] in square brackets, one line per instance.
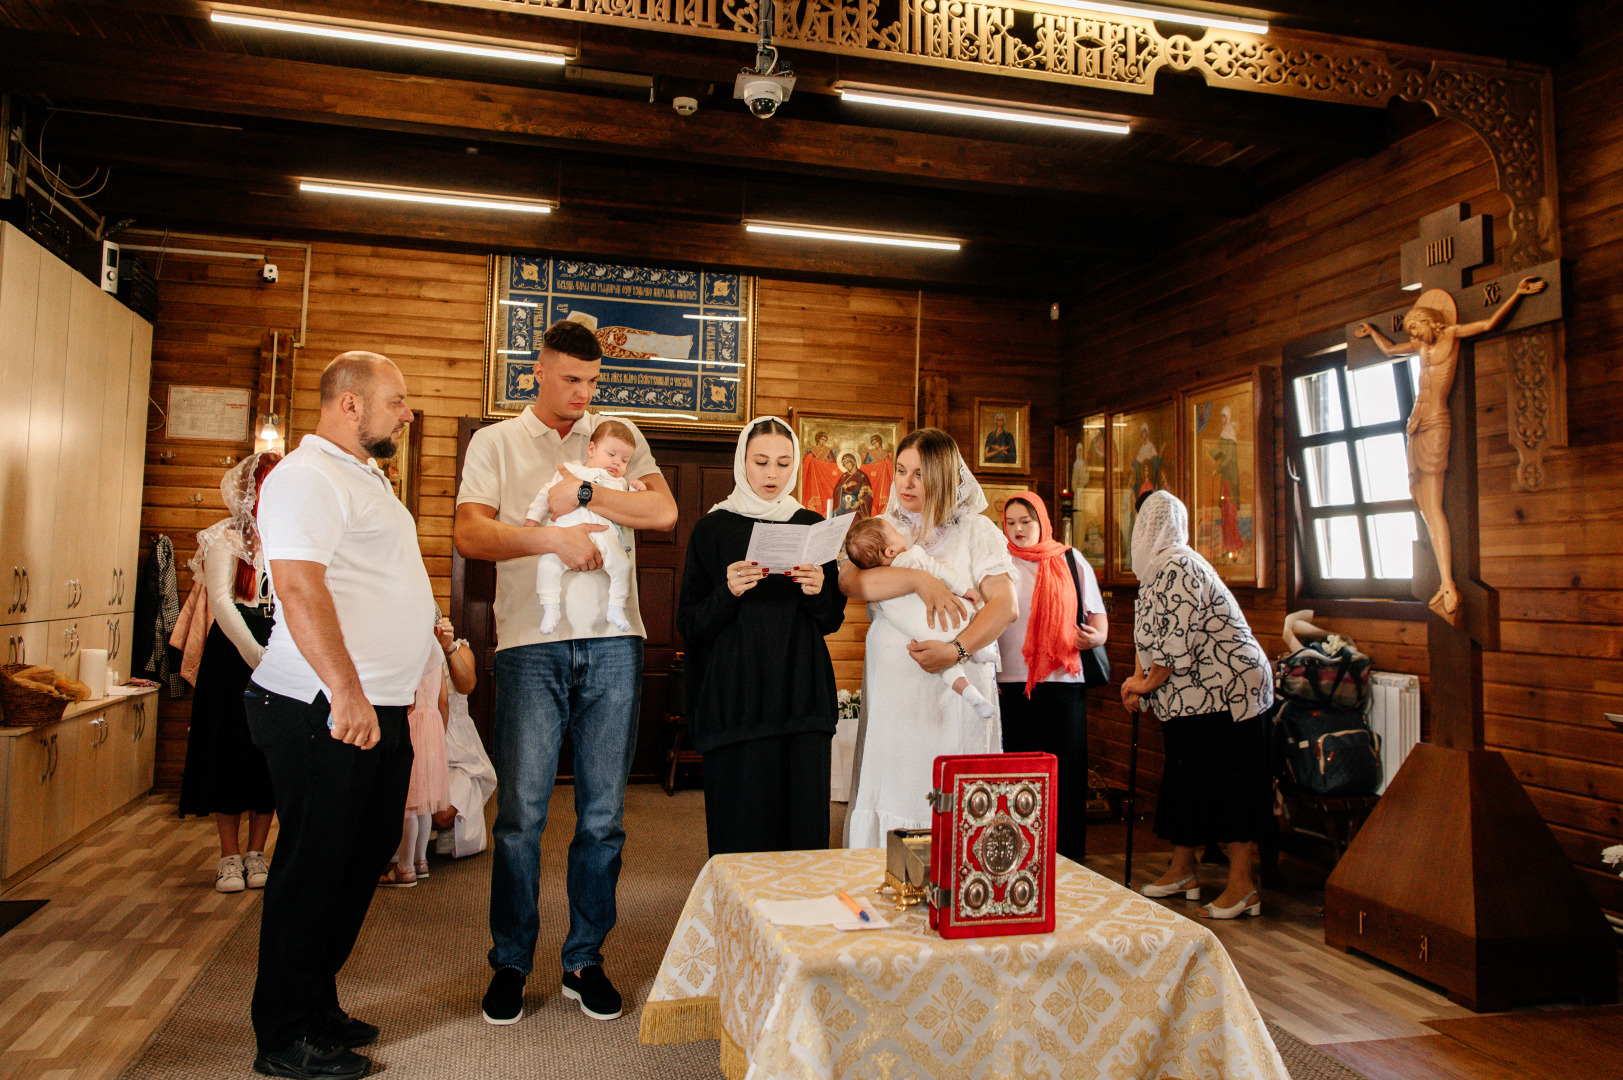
[218, 413]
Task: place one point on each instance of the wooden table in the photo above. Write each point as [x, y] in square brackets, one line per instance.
[1122, 988]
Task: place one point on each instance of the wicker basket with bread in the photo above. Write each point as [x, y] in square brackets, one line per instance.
[32, 695]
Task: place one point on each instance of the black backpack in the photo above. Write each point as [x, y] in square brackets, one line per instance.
[1328, 751]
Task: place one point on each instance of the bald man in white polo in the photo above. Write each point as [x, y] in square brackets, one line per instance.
[327, 705]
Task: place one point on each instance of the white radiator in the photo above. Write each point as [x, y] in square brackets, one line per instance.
[1394, 717]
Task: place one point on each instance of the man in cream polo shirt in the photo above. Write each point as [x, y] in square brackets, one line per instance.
[327, 706]
[583, 679]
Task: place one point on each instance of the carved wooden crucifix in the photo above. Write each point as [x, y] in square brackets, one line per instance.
[1439, 328]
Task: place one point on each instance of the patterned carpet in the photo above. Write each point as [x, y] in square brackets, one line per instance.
[419, 970]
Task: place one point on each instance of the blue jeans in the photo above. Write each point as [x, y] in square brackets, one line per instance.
[591, 689]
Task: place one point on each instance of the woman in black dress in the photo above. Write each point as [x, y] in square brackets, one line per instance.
[225, 774]
[760, 684]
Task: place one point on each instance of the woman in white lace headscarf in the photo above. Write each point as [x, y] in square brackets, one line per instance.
[908, 715]
[225, 775]
[1197, 664]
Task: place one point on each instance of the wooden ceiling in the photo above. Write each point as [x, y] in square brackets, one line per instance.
[207, 128]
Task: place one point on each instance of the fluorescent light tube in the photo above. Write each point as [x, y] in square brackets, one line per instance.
[1164, 14]
[985, 111]
[517, 303]
[469, 200]
[385, 37]
[515, 352]
[718, 318]
[853, 236]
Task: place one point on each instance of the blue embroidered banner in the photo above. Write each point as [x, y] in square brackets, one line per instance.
[676, 343]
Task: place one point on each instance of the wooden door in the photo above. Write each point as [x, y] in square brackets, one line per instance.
[19, 302]
[699, 472]
[105, 555]
[29, 795]
[46, 394]
[80, 521]
[28, 643]
[134, 450]
[94, 766]
[63, 639]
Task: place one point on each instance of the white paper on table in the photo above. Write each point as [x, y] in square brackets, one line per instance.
[823, 911]
[779, 548]
[126, 691]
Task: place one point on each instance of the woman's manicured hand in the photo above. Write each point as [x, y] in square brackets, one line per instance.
[943, 610]
[742, 576]
[809, 578]
[933, 656]
[1089, 637]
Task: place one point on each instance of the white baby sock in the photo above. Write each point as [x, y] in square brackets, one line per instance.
[617, 618]
[983, 708]
[549, 618]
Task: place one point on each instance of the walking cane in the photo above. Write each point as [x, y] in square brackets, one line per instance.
[1127, 803]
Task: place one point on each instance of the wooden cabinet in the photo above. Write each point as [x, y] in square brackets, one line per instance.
[26, 643]
[61, 779]
[75, 368]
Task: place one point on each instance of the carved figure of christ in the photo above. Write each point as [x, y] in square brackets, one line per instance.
[1431, 326]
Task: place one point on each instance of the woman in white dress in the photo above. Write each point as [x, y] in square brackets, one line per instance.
[908, 716]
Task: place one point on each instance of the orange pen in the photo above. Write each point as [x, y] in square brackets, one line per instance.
[853, 905]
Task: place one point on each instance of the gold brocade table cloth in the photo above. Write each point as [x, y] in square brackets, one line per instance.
[1122, 989]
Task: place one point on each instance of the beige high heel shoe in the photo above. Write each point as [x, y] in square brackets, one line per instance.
[1188, 886]
[1251, 905]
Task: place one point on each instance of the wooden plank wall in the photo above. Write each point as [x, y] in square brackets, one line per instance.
[841, 349]
[214, 314]
[1327, 255]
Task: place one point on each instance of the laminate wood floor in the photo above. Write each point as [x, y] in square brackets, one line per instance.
[133, 918]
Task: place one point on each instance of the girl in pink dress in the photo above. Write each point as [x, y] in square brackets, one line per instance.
[430, 790]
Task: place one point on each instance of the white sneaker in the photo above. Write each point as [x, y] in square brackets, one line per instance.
[255, 869]
[228, 875]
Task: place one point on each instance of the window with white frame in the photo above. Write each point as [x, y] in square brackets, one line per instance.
[1354, 522]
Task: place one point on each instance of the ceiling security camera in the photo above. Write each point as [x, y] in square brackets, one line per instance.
[763, 96]
[686, 106]
[763, 93]
[267, 273]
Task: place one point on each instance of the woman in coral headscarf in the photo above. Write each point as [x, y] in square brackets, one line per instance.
[225, 775]
[1042, 683]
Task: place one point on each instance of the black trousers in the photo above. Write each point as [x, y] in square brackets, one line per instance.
[1054, 720]
[768, 794]
[341, 809]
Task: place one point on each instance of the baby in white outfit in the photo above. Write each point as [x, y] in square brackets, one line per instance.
[607, 455]
[876, 542]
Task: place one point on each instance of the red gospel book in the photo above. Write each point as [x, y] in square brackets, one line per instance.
[992, 844]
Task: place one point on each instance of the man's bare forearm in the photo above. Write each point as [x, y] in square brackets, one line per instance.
[652, 509]
[478, 535]
[312, 619]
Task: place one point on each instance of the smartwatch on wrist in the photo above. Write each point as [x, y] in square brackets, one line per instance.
[584, 495]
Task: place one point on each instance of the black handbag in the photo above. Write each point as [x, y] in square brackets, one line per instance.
[1095, 661]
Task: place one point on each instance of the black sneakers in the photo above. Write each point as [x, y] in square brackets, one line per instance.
[314, 1057]
[504, 1001]
[597, 996]
[347, 1030]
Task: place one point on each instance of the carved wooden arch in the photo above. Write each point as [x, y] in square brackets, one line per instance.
[1511, 107]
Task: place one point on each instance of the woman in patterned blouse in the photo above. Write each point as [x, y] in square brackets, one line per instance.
[1197, 664]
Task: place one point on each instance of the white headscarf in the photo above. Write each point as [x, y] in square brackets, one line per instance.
[1160, 534]
[971, 501]
[238, 535]
[743, 500]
